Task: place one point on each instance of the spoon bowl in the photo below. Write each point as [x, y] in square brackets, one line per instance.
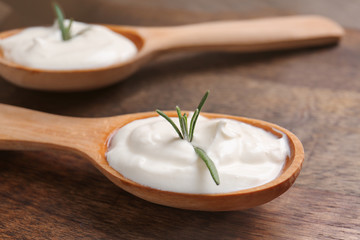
[72, 80]
[24, 129]
[267, 34]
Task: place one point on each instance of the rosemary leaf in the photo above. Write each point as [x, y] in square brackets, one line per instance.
[69, 27]
[65, 32]
[182, 126]
[186, 126]
[203, 100]
[209, 163]
[192, 124]
[170, 121]
[82, 31]
[178, 113]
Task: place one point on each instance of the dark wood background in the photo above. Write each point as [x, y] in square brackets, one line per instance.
[313, 92]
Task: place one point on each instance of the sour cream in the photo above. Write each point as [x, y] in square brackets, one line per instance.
[149, 152]
[92, 46]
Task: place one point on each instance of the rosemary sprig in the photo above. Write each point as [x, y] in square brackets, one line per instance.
[65, 31]
[188, 134]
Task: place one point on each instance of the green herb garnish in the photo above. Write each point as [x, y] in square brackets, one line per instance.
[65, 31]
[188, 134]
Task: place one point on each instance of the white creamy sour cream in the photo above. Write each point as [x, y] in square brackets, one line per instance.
[149, 152]
[93, 46]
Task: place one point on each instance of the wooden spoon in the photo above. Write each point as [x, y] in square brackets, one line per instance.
[241, 36]
[23, 129]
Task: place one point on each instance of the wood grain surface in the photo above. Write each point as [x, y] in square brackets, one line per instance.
[315, 93]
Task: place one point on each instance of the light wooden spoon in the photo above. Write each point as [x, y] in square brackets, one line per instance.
[23, 129]
[241, 36]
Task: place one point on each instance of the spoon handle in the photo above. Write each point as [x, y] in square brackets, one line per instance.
[246, 35]
[24, 129]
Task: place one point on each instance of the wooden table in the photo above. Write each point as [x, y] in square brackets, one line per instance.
[313, 92]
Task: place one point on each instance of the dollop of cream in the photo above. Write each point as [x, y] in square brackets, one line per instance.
[92, 46]
[149, 152]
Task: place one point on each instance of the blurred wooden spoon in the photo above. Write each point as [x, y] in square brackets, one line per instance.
[241, 36]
